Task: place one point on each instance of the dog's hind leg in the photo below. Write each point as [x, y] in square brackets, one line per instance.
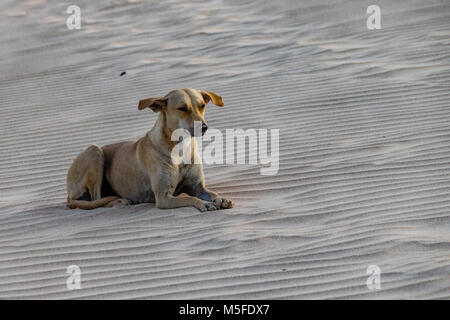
[86, 174]
[95, 190]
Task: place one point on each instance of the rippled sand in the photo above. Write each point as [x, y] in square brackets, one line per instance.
[364, 148]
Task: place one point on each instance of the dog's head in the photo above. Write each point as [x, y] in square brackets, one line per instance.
[182, 108]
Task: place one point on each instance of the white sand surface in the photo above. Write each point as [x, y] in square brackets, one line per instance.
[364, 173]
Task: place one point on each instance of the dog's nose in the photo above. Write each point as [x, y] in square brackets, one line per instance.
[204, 127]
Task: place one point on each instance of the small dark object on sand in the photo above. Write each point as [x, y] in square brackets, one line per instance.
[123, 73]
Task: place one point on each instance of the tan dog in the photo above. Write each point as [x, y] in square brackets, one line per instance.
[143, 171]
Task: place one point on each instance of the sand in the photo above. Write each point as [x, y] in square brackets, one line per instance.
[364, 173]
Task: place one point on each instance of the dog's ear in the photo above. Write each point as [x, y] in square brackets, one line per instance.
[156, 104]
[211, 96]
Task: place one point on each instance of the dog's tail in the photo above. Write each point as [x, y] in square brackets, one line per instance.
[87, 205]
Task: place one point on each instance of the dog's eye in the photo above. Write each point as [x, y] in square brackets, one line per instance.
[184, 109]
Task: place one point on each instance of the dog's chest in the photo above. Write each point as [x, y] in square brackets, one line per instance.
[184, 171]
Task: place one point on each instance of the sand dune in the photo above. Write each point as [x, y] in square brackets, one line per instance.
[364, 173]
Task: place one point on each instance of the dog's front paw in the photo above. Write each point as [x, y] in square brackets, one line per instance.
[206, 206]
[222, 203]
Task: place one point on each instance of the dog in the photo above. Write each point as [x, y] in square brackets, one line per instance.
[142, 171]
